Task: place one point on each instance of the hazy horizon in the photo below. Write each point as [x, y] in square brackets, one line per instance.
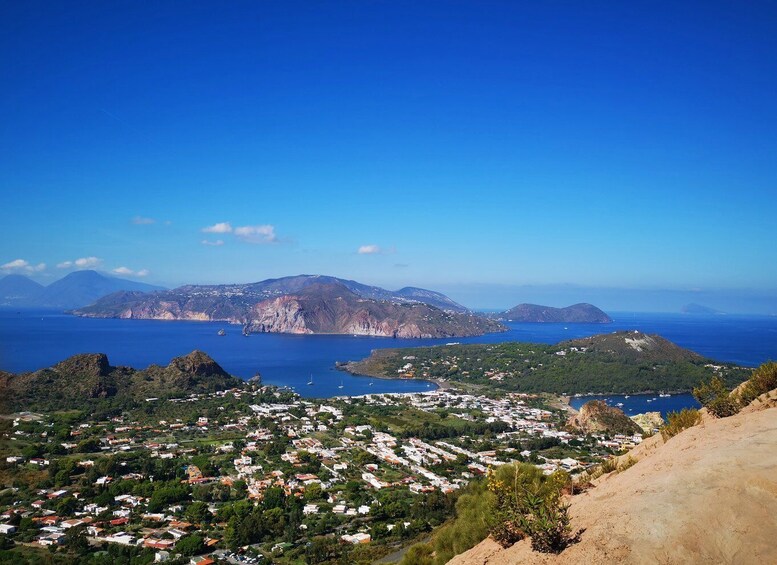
[499, 297]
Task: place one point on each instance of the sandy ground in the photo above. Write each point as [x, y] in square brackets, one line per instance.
[709, 495]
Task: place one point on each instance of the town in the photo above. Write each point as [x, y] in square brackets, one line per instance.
[260, 474]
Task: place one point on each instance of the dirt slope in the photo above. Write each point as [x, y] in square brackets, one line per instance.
[708, 495]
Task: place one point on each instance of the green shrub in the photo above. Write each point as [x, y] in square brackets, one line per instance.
[715, 397]
[528, 504]
[609, 465]
[679, 421]
[474, 517]
[763, 380]
[629, 462]
[547, 523]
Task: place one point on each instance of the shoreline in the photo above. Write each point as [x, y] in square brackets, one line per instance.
[347, 367]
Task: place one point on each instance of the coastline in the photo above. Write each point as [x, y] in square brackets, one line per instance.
[348, 367]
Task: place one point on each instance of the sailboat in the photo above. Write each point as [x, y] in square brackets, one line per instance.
[341, 383]
[310, 382]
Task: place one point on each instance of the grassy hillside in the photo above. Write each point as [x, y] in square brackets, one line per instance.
[620, 362]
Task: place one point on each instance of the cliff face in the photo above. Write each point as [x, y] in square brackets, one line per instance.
[707, 495]
[327, 309]
[317, 307]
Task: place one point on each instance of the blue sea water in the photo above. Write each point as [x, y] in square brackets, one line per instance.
[641, 403]
[31, 340]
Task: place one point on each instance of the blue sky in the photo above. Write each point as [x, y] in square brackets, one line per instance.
[466, 146]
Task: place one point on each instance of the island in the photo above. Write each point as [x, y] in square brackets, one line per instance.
[305, 304]
[582, 313]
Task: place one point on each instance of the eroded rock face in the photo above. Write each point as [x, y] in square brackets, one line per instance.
[280, 315]
[596, 417]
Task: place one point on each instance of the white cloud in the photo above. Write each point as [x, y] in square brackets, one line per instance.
[257, 234]
[81, 263]
[127, 272]
[24, 266]
[141, 221]
[369, 250]
[216, 243]
[87, 262]
[221, 227]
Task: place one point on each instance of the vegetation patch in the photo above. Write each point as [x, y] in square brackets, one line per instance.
[679, 421]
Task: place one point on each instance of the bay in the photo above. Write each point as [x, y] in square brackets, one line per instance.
[31, 340]
[640, 403]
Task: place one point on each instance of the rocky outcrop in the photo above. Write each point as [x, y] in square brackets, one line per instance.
[199, 364]
[77, 380]
[649, 421]
[596, 417]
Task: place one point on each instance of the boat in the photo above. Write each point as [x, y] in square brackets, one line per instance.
[626, 396]
[341, 384]
[245, 330]
[650, 400]
[619, 404]
[310, 382]
[222, 332]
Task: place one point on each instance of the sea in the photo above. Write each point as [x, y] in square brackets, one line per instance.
[34, 339]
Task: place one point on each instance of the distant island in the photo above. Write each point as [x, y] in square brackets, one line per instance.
[76, 289]
[304, 304]
[694, 308]
[582, 313]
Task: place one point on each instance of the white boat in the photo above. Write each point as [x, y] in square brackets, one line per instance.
[341, 384]
[222, 332]
[310, 382]
[619, 404]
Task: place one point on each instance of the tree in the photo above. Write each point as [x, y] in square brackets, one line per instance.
[75, 540]
[197, 512]
[313, 491]
[190, 545]
[715, 397]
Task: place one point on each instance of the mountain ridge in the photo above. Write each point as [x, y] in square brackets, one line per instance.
[76, 289]
[303, 304]
[82, 378]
